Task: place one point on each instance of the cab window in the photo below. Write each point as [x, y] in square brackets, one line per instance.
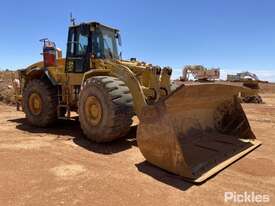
[82, 45]
[77, 43]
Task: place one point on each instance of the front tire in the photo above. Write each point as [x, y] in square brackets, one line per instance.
[105, 109]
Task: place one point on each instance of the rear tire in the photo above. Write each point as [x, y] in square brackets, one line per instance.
[105, 109]
[40, 103]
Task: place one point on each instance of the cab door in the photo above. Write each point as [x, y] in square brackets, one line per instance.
[77, 60]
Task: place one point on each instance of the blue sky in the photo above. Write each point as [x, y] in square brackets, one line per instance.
[235, 35]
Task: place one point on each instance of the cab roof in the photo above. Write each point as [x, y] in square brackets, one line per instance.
[94, 24]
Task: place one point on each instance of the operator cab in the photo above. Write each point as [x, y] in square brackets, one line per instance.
[90, 40]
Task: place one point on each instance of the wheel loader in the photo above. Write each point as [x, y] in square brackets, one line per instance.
[193, 130]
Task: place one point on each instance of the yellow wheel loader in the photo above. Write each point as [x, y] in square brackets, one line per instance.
[193, 130]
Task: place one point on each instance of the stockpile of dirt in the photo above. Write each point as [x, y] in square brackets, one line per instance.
[267, 87]
[6, 88]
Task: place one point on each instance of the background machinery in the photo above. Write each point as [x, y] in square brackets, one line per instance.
[242, 76]
[249, 80]
[200, 73]
[194, 130]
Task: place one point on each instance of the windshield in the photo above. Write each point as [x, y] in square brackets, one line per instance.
[105, 44]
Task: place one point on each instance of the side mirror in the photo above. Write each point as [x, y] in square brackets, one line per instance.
[119, 39]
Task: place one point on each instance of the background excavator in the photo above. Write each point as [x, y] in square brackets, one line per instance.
[249, 80]
[194, 130]
[200, 73]
[242, 76]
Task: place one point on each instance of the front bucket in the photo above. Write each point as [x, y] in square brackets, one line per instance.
[196, 131]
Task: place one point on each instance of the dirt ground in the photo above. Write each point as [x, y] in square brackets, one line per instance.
[58, 166]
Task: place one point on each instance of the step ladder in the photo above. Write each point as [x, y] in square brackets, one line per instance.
[60, 113]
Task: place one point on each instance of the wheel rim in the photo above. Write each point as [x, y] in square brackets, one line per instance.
[35, 103]
[93, 110]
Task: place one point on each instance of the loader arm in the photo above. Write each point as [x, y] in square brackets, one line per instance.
[126, 75]
[159, 83]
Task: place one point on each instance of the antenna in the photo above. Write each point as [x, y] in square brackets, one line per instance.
[72, 19]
